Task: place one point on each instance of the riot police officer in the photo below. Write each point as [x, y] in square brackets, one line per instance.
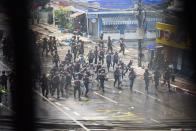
[115, 59]
[68, 57]
[157, 76]
[167, 77]
[44, 85]
[132, 76]
[108, 60]
[77, 85]
[122, 46]
[146, 79]
[96, 54]
[86, 84]
[90, 57]
[102, 78]
[109, 44]
[117, 77]
[45, 46]
[55, 85]
[101, 56]
[56, 59]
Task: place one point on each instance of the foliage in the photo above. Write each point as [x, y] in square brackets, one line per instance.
[63, 16]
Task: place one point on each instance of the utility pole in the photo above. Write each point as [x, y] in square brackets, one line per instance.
[140, 21]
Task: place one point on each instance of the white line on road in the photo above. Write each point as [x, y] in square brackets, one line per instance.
[67, 108]
[106, 98]
[79, 123]
[149, 95]
[85, 118]
[155, 98]
[59, 104]
[76, 113]
[154, 120]
[139, 92]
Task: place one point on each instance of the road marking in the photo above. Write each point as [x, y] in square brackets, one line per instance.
[149, 95]
[139, 92]
[66, 108]
[154, 120]
[59, 104]
[106, 98]
[85, 118]
[155, 98]
[98, 129]
[79, 123]
[76, 113]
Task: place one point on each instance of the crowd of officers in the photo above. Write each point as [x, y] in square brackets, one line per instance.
[80, 71]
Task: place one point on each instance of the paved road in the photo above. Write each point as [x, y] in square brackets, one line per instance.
[119, 105]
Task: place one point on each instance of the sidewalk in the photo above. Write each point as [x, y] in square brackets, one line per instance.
[180, 84]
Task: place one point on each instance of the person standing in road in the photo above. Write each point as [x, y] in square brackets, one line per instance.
[3, 80]
[167, 77]
[117, 77]
[101, 56]
[146, 79]
[56, 59]
[132, 76]
[55, 85]
[122, 46]
[77, 85]
[115, 59]
[86, 84]
[90, 57]
[108, 60]
[128, 67]
[102, 79]
[109, 44]
[45, 46]
[96, 54]
[44, 85]
[157, 76]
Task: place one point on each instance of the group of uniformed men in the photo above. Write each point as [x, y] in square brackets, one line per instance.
[80, 71]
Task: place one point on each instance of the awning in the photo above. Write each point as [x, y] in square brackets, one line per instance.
[74, 15]
[151, 46]
[119, 21]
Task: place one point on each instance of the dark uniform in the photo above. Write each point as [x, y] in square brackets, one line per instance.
[90, 57]
[167, 77]
[68, 57]
[117, 77]
[132, 76]
[108, 60]
[81, 49]
[146, 79]
[122, 46]
[62, 84]
[68, 78]
[50, 45]
[77, 85]
[3, 80]
[128, 67]
[109, 44]
[157, 76]
[101, 56]
[96, 54]
[55, 85]
[86, 84]
[44, 47]
[56, 59]
[115, 59]
[44, 85]
[102, 78]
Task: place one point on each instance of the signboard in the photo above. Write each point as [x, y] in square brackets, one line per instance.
[92, 16]
[154, 1]
[110, 4]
